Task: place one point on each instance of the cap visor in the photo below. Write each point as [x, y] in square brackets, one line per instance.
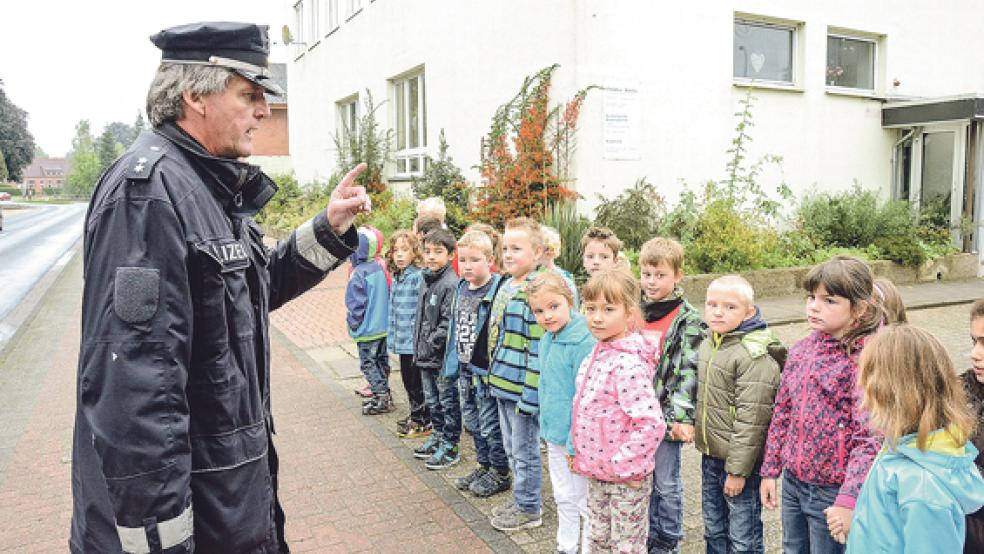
[267, 83]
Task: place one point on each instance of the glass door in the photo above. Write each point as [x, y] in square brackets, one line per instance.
[930, 173]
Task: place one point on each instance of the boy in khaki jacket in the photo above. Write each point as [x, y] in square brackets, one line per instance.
[737, 379]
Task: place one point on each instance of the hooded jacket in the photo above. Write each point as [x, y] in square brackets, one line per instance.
[172, 447]
[514, 374]
[819, 431]
[617, 423]
[367, 292]
[737, 380]
[404, 296]
[479, 364]
[914, 501]
[561, 355]
[675, 379]
[430, 333]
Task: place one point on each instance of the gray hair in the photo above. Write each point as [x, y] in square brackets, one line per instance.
[164, 101]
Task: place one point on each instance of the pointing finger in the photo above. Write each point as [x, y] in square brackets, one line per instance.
[352, 175]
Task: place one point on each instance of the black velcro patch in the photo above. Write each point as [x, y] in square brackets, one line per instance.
[136, 293]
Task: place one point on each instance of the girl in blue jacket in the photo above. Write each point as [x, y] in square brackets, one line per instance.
[924, 480]
[565, 344]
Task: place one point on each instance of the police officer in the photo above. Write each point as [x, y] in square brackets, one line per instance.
[172, 449]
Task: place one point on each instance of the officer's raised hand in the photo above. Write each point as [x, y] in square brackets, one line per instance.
[347, 201]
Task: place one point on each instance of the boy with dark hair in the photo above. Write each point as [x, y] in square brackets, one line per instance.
[430, 343]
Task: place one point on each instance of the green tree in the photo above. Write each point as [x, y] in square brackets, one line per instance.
[39, 153]
[138, 126]
[368, 143]
[443, 179]
[106, 148]
[86, 166]
[3, 168]
[16, 141]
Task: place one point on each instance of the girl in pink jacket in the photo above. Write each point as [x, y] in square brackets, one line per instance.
[617, 423]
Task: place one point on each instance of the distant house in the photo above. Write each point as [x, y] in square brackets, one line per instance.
[271, 143]
[45, 176]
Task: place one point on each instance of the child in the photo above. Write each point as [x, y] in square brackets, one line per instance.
[891, 301]
[551, 249]
[615, 401]
[467, 359]
[819, 434]
[924, 480]
[493, 235]
[514, 337]
[565, 344]
[679, 325]
[973, 383]
[430, 340]
[404, 257]
[600, 248]
[737, 380]
[367, 302]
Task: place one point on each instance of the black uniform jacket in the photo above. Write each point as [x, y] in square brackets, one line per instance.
[172, 448]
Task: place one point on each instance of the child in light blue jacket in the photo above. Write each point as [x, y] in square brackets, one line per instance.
[565, 344]
[367, 303]
[924, 481]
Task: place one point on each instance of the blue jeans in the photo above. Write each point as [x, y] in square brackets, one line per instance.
[666, 502]
[374, 363]
[480, 415]
[441, 396]
[804, 526]
[732, 524]
[521, 440]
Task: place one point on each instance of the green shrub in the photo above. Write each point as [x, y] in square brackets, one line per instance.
[901, 249]
[389, 213]
[727, 240]
[634, 214]
[563, 216]
[443, 179]
[853, 218]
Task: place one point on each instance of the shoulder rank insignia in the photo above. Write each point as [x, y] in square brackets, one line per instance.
[143, 161]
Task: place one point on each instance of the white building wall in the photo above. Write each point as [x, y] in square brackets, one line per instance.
[475, 55]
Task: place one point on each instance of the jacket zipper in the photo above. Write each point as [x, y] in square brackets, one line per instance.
[703, 417]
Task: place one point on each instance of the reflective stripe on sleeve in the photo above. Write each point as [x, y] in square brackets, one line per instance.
[312, 251]
[172, 533]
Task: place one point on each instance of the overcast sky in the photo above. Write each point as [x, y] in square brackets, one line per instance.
[66, 60]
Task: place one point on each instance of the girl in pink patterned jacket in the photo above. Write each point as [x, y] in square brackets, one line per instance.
[617, 423]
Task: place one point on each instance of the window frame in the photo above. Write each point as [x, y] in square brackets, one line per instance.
[314, 9]
[332, 21]
[300, 24]
[876, 61]
[796, 59]
[345, 109]
[399, 86]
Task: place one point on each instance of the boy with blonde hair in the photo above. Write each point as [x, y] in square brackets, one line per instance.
[551, 249]
[680, 328]
[514, 337]
[737, 379]
[599, 249]
[467, 359]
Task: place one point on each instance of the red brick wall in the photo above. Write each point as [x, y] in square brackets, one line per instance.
[272, 137]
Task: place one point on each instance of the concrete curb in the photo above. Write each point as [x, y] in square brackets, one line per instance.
[473, 518]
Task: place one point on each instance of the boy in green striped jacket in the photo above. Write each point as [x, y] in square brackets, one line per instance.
[514, 336]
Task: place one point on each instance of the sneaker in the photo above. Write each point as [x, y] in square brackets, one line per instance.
[414, 430]
[516, 520]
[445, 456]
[463, 483]
[491, 483]
[504, 508]
[379, 404]
[425, 450]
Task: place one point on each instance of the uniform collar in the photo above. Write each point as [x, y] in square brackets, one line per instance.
[241, 187]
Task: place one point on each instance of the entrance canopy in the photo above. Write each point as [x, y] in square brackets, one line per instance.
[932, 110]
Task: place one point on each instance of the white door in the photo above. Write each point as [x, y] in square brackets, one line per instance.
[936, 174]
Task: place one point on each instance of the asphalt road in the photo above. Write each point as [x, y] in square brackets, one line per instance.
[33, 240]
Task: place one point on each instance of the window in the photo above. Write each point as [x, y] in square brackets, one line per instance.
[850, 62]
[332, 9]
[411, 124]
[299, 22]
[764, 52]
[348, 115]
[352, 7]
[314, 20]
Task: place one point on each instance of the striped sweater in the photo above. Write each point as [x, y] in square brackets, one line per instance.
[403, 309]
[514, 375]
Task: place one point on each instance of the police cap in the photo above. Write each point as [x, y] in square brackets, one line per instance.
[241, 47]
